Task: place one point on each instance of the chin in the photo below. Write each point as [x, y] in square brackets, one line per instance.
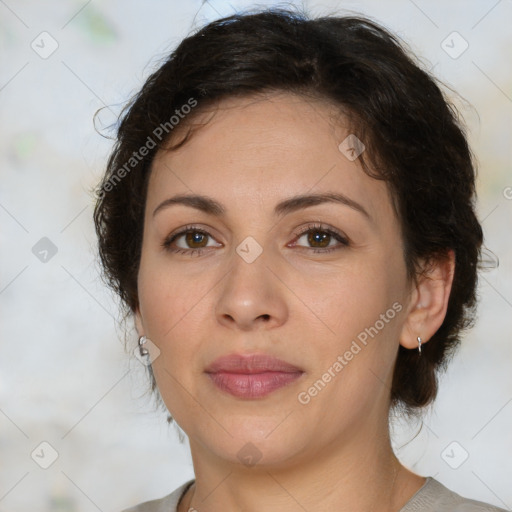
[256, 446]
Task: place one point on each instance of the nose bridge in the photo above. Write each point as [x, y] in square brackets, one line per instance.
[251, 292]
[249, 276]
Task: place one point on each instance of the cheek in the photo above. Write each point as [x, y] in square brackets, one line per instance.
[167, 299]
[354, 346]
[355, 313]
[351, 298]
[171, 307]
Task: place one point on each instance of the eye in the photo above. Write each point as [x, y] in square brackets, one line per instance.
[190, 240]
[320, 238]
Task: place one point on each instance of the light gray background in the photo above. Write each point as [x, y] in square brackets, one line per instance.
[64, 377]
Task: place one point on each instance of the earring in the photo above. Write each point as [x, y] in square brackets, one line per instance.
[143, 351]
[419, 345]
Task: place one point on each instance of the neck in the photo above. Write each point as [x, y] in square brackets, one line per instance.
[361, 475]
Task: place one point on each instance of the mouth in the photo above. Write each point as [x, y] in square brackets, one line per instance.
[251, 376]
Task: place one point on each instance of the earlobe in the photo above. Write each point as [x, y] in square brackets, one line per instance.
[429, 302]
[138, 322]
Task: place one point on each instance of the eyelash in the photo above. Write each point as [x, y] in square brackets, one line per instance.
[166, 244]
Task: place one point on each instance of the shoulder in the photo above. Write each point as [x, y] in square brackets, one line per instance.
[435, 497]
[168, 503]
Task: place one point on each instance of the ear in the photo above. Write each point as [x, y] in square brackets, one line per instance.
[138, 322]
[429, 302]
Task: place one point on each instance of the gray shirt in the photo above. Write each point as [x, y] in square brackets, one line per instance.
[432, 497]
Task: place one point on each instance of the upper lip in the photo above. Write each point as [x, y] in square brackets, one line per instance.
[250, 364]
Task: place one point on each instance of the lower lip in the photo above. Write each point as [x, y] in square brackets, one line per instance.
[255, 385]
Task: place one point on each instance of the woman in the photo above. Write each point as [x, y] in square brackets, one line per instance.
[288, 216]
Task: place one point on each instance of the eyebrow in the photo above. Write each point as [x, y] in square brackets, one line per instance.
[212, 207]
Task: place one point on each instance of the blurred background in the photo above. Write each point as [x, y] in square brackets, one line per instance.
[77, 431]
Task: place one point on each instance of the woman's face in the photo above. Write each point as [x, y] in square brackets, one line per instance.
[319, 284]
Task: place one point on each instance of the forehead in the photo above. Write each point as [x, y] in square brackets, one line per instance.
[257, 150]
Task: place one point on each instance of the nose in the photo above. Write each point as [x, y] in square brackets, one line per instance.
[252, 297]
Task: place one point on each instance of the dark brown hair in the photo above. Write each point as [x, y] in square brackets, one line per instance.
[413, 136]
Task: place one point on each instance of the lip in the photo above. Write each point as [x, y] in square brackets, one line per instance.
[251, 375]
[250, 364]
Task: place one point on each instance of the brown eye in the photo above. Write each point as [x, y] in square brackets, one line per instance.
[189, 240]
[196, 237]
[320, 238]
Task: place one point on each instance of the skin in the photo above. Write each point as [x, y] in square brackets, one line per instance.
[333, 453]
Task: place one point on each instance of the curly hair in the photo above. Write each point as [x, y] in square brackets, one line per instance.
[414, 137]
